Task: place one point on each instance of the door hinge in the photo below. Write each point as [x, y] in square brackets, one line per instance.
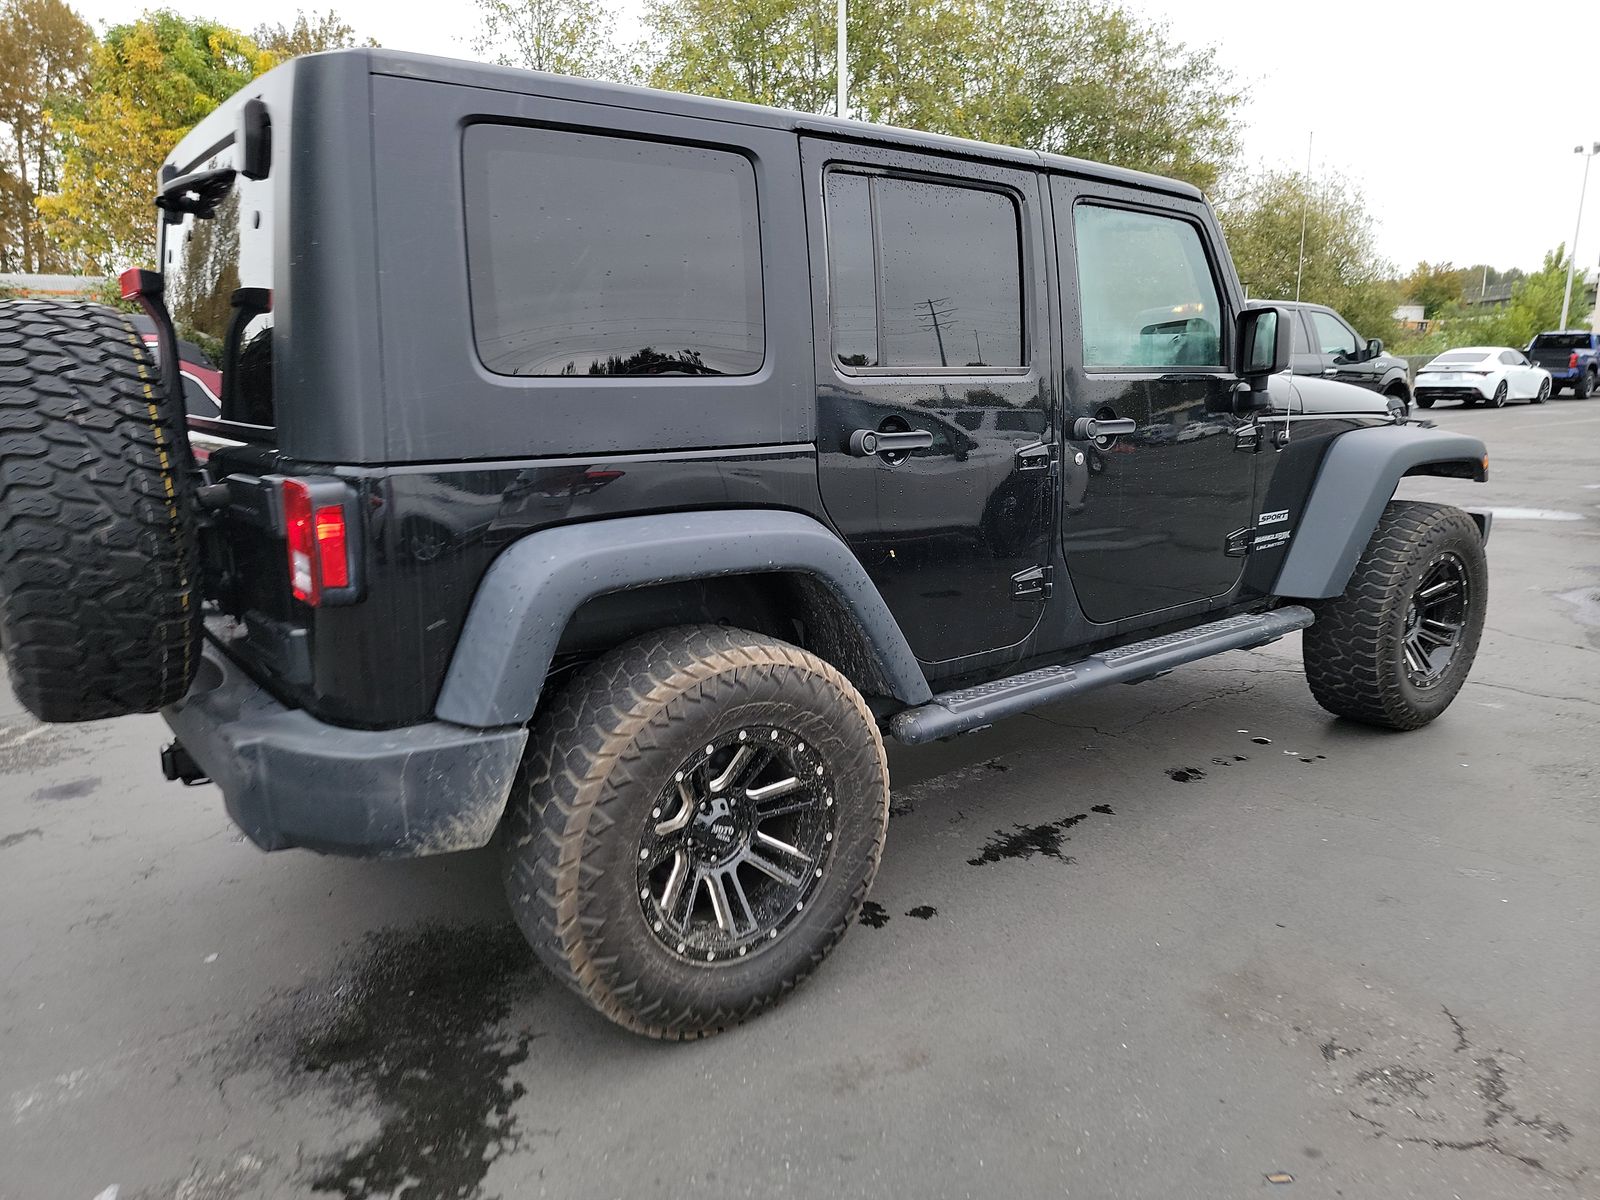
[1247, 438]
[1037, 456]
[1032, 584]
[1237, 543]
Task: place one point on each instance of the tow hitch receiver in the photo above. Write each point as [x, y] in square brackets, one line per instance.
[176, 763]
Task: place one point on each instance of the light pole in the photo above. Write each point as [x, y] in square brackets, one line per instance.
[843, 71]
[1572, 250]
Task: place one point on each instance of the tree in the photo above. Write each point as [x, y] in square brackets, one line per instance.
[1342, 267]
[149, 83]
[1436, 286]
[310, 34]
[1081, 77]
[44, 50]
[1536, 301]
[567, 37]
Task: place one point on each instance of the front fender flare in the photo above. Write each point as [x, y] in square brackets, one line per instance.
[531, 590]
[1357, 478]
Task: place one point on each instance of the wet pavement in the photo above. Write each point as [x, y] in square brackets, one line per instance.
[1191, 938]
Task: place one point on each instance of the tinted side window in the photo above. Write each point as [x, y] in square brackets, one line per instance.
[1147, 296]
[1333, 335]
[923, 275]
[593, 255]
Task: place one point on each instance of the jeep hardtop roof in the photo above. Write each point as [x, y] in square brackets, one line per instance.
[211, 132]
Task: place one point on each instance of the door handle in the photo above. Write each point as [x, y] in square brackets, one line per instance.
[866, 442]
[1086, 428]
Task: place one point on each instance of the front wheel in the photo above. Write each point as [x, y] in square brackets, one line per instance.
[1396, 647]
[1500, 394]
[697, 822]
[1398, 408]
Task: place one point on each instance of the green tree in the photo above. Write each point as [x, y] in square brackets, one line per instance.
[1342, 266]
[44, 51]
[1081, 77]
[310, 34]
[567, 37]
[149, 83]
[1536, 301]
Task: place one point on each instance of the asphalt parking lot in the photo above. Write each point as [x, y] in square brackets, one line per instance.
[1169, 941]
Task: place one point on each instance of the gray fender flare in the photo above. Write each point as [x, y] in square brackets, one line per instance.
[1357, 478]
[531, 590]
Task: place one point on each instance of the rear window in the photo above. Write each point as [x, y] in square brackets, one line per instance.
[1561, 341]
[592, 255]
[1458, 356]
[218, 279]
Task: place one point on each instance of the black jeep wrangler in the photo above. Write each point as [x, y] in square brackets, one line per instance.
[608, 472]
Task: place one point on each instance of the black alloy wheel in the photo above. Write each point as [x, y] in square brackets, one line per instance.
[736, 844]
[1435, 619]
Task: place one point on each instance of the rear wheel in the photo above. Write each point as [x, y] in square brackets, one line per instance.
[1424, 401]
[99, 587]
[696, 824]
[1543, 393]
[1500, 394]
[1396, 647]
[1584, 385]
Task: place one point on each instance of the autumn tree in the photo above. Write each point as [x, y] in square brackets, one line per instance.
[44, 51]
[311, 33]
[1342, 267]
[1435, 286]
[149, 83]
[567, 37]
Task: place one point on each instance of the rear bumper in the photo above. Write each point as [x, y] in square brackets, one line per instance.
[1451, 391]
[1564, 374]
[291, 780]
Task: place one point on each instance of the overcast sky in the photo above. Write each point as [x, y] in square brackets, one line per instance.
[1456, 119]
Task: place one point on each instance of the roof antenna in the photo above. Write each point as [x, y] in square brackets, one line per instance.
[1304, 196]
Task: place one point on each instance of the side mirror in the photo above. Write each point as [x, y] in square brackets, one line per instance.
[1374, 347]
[1264, 345]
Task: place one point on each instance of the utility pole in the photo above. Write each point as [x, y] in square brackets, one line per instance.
[934, 313]
[1572, 250]
[843, 67]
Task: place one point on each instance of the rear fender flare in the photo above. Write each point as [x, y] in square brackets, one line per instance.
[531, 591]
[1357, 478]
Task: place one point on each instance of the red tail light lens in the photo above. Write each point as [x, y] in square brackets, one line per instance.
[317, 542]
[332, 560]
[1572, 359]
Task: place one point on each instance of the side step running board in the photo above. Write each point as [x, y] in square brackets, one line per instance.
[968, 708]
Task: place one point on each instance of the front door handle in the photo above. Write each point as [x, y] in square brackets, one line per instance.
[866, 442]
[1086, 428]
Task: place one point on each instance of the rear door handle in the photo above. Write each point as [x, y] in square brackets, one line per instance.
[1085, 428]
[867, 442]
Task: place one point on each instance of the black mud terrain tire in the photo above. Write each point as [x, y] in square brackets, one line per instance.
[607, 761]
[99, 597]
[1375, 653]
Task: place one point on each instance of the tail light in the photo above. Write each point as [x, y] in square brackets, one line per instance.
[1572, 360]
[317, 520]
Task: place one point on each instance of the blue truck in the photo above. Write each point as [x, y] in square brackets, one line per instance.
[1571, 357]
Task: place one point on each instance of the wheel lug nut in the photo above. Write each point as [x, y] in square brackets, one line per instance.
[742, 950]
[709, 749]
[711, 956]
[644, 893]
[680, 947]
[743, 734]
[644, 854]
[819, 872]
[655, 812]
[774, 735]
[658, 926]
[827, 837]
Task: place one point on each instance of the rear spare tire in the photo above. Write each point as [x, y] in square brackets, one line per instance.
[99, 559]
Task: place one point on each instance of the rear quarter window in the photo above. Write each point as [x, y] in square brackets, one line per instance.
[593, 255]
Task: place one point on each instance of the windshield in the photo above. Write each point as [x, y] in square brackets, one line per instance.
[1561, 341]
[218, 272]
[1458, 357]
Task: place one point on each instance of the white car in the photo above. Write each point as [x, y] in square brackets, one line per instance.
[1492, 374]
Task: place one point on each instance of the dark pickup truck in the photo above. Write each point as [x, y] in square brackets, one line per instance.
[1572, 358]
